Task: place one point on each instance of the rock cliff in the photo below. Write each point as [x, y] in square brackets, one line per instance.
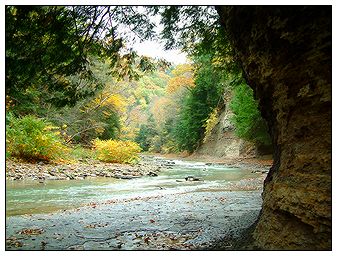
[223, 143]
[285, 53]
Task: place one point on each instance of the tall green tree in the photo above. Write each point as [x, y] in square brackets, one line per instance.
[45, 45]
[247, 118]
[146, 134]
[199, 103]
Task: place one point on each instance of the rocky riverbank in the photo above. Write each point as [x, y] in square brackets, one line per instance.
[16, 170]
[182, 221]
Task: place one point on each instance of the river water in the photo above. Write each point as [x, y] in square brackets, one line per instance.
[31, 197]
[147, 213]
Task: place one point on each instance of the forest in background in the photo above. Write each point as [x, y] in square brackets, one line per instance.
[73, 83]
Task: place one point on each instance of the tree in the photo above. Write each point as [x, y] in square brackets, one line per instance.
[182, 78]
[146, 133]
[247, 118]
[199, 103]
[95, 116]
[47, 44]
[186, 25]
[42, 49]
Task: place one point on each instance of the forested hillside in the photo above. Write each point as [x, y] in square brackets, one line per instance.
[70, 82]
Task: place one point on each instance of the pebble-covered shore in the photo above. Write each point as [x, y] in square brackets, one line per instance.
[182, 221]
[42, 171]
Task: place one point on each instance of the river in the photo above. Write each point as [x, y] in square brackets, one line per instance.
[214, 206]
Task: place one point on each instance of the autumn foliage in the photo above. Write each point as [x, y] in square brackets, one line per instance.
[210, 123]
[182, 78]
[33, 139]
[115, 151]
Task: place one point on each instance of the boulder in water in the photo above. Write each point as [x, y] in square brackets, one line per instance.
[152, 174]
[191, 178]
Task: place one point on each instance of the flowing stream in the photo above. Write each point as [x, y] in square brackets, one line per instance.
[31, 197]
[147, 213]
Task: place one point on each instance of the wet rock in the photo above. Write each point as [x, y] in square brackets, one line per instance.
[152, 174]
[13, 242]
[70, 177]
[191, 178]
[124, 177]
[258, 171]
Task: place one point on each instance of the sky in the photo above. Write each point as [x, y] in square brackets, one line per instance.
[154, 49]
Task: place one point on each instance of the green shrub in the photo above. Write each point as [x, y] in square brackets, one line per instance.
[80, 153]
[33, 139]
[115, 151]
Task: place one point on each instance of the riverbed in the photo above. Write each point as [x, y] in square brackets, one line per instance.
[168, 211]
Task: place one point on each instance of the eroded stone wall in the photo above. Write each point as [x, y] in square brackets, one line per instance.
[285, 53]
[223, 142]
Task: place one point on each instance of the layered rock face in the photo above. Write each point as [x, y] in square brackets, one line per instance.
[223, 142]
[285, 53]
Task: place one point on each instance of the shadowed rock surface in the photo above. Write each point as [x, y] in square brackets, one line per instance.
[285, 53]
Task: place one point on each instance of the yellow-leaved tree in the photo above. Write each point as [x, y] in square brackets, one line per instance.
[182, 78]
